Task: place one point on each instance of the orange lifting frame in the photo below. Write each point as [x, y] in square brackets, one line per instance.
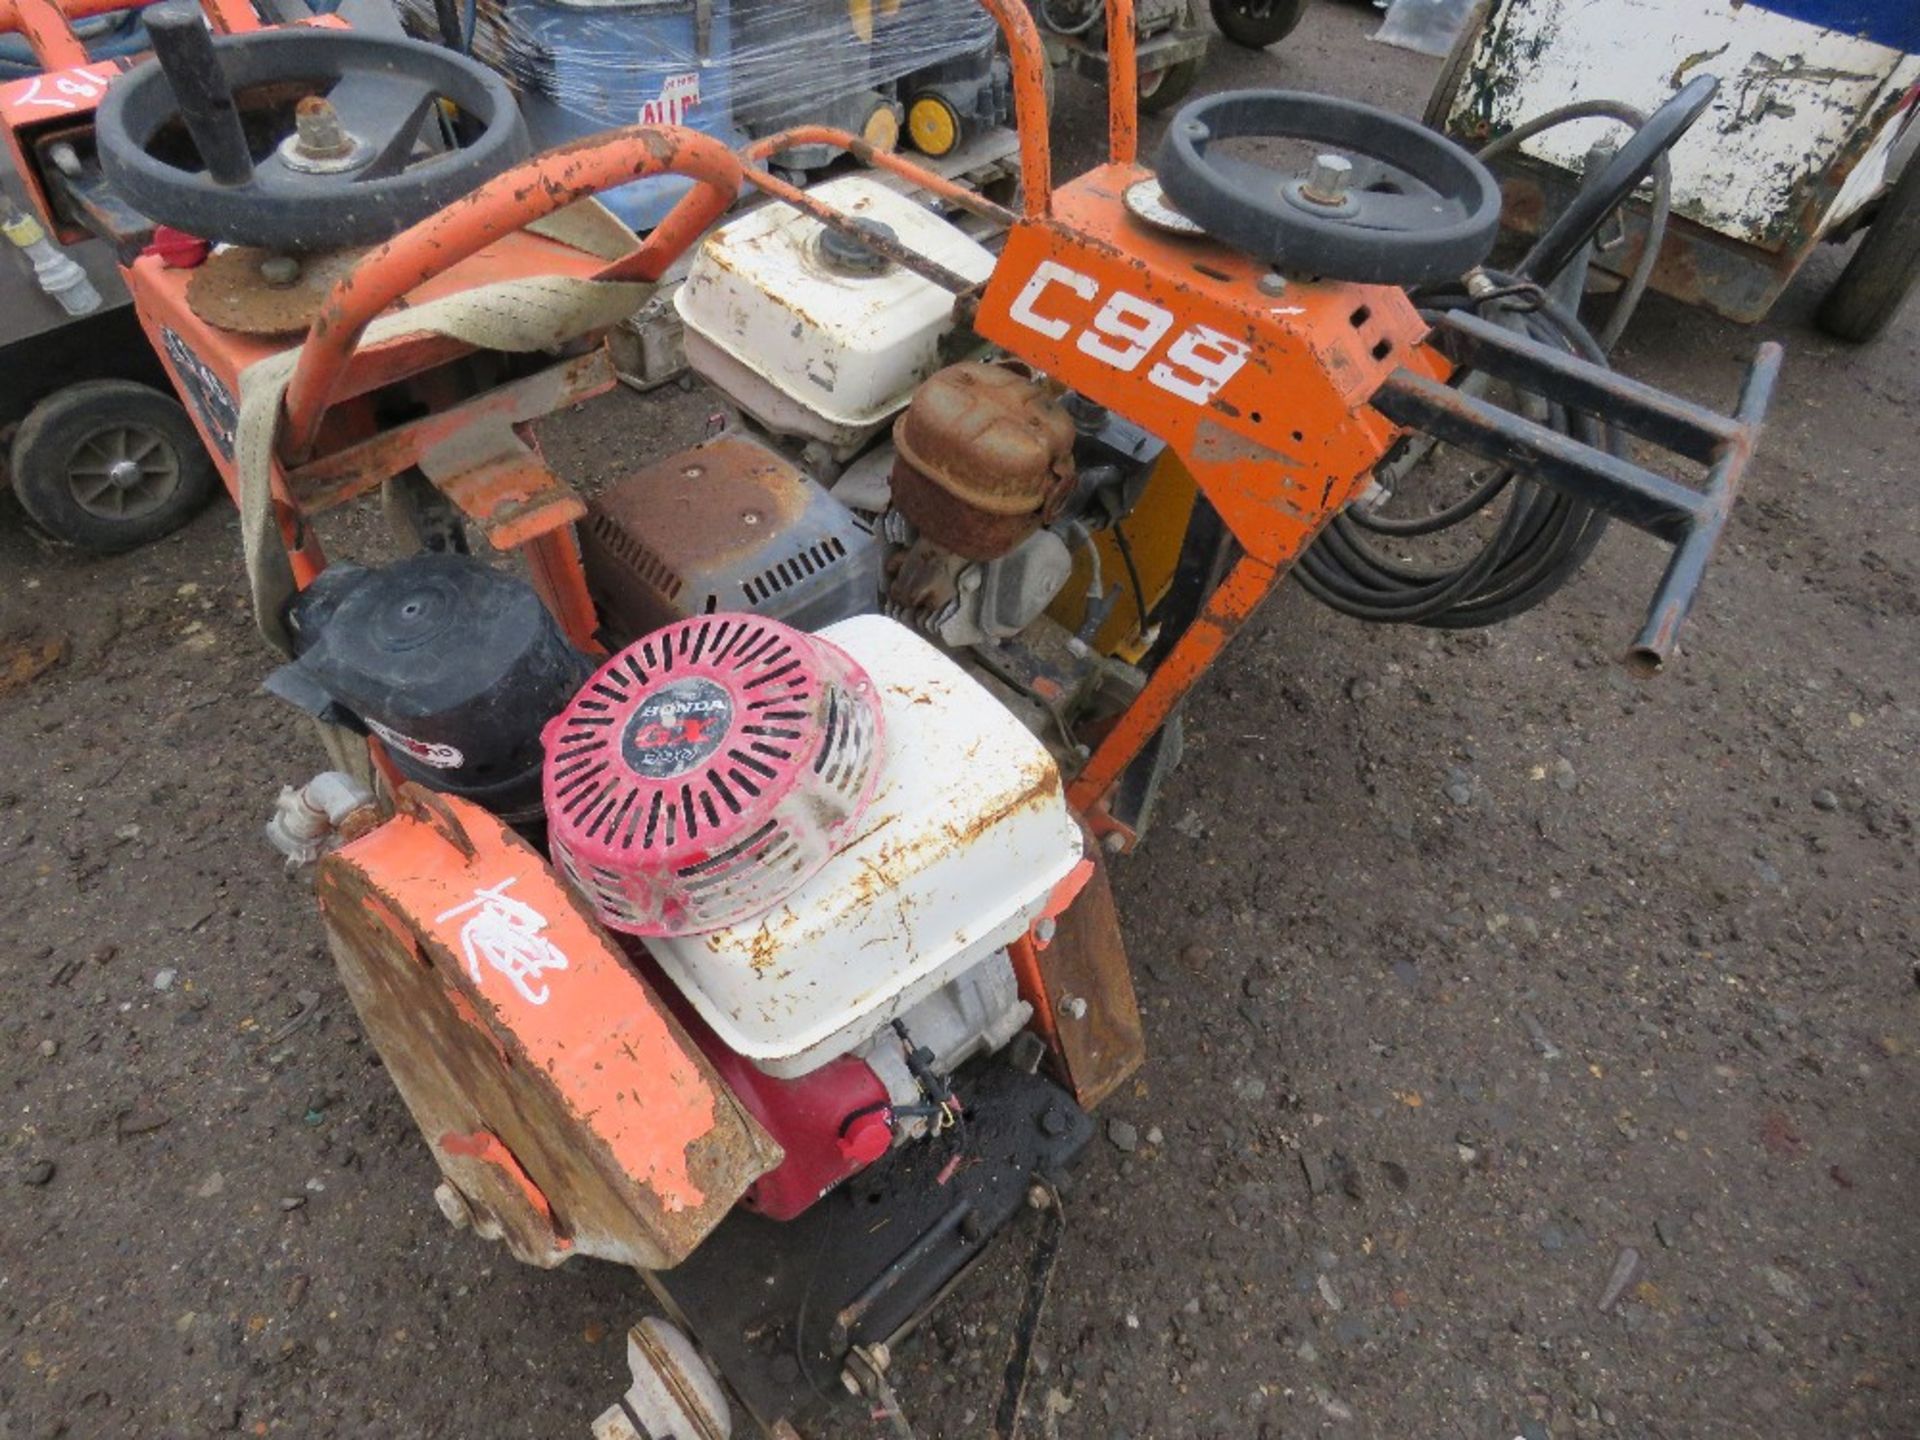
[47, 25]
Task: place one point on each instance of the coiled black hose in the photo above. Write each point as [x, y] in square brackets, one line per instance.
[1540, 543]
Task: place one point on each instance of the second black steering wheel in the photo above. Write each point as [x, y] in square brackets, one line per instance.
[300, 139]
[1386, 201]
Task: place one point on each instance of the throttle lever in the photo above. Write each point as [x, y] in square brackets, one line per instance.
[184, 49]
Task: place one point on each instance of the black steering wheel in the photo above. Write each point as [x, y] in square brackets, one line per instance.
[1624, 173]
[301, 139]
[1387, 201]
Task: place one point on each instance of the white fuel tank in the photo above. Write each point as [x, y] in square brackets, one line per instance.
[966, 837]
[806, 344]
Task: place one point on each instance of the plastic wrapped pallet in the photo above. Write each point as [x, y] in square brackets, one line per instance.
[897, 71]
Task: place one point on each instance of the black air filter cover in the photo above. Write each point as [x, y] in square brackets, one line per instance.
[453, 664]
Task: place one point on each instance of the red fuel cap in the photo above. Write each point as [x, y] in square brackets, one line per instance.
[867, 1138]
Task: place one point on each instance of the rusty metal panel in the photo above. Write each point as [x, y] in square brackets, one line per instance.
[1095, 1017]
[564, 1105]
[353, 470]
[249, 291]
[1697, 266]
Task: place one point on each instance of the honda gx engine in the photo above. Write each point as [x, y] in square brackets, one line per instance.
[814, 793]
[817, 782]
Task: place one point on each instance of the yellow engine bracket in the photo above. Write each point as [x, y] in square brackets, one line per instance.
[1155, 530]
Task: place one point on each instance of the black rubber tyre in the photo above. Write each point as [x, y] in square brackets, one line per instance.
[106, 465]
[1257, 24]
[1881, 274]
[1170, 86]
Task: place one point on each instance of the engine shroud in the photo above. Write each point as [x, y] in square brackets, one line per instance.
[728, 525]
[706, 771]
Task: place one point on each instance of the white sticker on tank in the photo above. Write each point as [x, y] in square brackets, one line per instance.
[510, 936]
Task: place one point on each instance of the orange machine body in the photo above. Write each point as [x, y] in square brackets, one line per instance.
[1258, 382]
[1260, 387]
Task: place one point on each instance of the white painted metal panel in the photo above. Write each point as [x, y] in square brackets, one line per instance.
[1791, 95]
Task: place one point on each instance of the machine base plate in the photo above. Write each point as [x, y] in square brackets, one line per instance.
[778, 1305]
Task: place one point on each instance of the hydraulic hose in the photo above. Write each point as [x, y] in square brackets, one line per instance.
[1540, 543]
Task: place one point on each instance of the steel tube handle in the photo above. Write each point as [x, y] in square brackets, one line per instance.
[507, 203]
[184, 48]
[1688, 519]
[1681, 583]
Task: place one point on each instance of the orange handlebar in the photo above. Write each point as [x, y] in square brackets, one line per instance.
[507, 203]
[546, 183]
[1029, 59]
[48, 28]
[1123, 84]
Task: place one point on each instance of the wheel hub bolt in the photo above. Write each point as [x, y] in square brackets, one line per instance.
[1328, 180]
[124, 474]
[318, 132]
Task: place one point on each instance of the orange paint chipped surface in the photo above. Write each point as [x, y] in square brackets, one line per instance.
[1259, 385]
[594, 1032]
[485, 1146]
[502, 1010]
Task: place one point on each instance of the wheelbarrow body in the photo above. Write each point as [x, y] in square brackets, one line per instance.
[1799, 145]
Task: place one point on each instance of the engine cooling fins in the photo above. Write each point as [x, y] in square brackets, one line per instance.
[706, 771]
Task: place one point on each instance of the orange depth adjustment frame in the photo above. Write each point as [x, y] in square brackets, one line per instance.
[1258, 384]
[562, 1101]
[47, 25]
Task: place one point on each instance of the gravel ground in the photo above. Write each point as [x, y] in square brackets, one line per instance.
[1530, 1045]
